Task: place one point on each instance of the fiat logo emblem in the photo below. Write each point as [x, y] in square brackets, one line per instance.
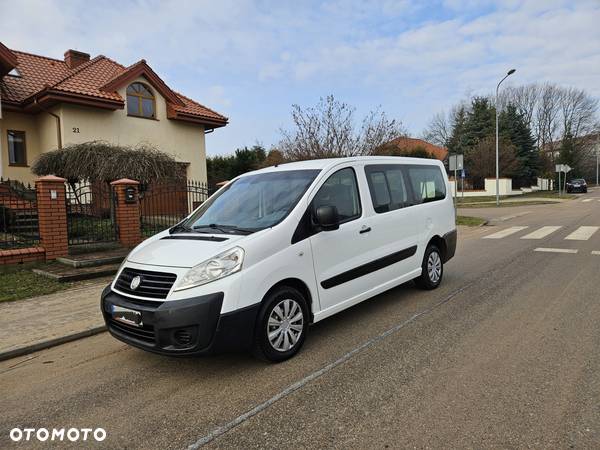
[135, 283]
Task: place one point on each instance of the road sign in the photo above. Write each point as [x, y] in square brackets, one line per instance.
[455, 162]
[562, 168]
[462, 173]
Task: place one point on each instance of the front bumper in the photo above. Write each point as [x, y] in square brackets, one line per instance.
[192, 326]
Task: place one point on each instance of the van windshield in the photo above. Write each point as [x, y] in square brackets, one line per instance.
[251, 203]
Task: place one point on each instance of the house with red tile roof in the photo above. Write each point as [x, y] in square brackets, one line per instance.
[49, 103]
[406, 145]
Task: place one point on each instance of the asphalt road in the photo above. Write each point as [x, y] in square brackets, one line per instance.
[504, 354]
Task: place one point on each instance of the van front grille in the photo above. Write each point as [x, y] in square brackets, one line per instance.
[144, 333]
[152, 284]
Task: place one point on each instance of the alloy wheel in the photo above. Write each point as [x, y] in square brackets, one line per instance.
[434, 267]
[285, 325]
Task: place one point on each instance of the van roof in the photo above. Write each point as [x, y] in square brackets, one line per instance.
[327, 163]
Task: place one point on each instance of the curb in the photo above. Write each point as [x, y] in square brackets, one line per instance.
[50, 343]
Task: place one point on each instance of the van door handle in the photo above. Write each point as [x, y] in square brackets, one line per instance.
[365, 230]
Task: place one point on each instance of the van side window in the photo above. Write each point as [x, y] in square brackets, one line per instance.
[380, 193]
[340, 190]
[387, 187]
[427, 183]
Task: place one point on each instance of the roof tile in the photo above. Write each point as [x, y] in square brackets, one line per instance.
[408, 143]
[39, 72]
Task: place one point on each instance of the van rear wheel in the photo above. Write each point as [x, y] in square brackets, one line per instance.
[281, 325]
[432, 269]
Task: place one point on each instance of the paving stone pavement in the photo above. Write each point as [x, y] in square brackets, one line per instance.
[34, 322]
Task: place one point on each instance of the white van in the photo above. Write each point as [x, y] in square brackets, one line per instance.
[280, 248]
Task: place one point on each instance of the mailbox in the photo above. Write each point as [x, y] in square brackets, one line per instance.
[130, 194]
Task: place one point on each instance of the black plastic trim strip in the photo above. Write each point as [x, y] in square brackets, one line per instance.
[369, 267]
[450, 241]
[197, 238]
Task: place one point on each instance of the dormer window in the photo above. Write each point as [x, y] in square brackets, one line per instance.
[140, 101]
[14, 73]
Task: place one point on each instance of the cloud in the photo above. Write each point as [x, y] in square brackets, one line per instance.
[216, 97]
[414, 58]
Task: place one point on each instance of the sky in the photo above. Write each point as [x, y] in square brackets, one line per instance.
[251, 60]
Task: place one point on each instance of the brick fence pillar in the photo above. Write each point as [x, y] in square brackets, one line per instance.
[52, 215]
[127, 211]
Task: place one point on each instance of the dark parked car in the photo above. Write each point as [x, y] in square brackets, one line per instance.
[577, 185]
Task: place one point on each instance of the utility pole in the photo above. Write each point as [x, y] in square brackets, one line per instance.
[509, 73]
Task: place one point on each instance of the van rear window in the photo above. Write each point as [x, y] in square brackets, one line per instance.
[427, 183]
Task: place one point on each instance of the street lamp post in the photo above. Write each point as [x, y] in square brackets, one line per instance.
[509, 73]
[597, 151]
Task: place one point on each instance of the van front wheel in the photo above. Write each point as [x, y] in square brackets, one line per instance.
[432, 269]
[281, 325]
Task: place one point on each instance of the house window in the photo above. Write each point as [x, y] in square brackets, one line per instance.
[17, 154]
[140, 101]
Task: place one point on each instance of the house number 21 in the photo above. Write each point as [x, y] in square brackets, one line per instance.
[75, 129]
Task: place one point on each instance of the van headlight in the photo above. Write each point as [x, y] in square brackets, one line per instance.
[220, 266]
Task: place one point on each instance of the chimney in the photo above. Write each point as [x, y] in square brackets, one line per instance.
[73, 58]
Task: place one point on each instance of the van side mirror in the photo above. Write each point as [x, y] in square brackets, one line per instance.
[327, 217]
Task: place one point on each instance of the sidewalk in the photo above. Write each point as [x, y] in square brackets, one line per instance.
[513, 200]
[40, 322]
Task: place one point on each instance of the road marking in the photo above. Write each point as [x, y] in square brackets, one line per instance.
[541, 233]
[595, 252]
[504, 233]
[582, 234]
[223, 429]
[587, 200]
[555, 250]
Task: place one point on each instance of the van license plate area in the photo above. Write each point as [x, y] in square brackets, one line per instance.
[126, 315]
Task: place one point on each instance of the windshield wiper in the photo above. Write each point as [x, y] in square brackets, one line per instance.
[179, 227]
[226, 229]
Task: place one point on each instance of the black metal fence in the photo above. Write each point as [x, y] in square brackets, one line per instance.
[18, 215]
[90, 213]
[162, 205]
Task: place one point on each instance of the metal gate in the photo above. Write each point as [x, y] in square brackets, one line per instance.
[90, 213]
[162, 205]
[18, 215]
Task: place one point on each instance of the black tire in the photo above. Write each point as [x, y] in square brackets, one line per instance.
[262, 347]
[427, 280]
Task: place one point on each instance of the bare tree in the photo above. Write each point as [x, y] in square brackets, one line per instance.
[547, 121]
[525, 98]
[578, 112]
[329, 130]
[553, 111]
[439, 129]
